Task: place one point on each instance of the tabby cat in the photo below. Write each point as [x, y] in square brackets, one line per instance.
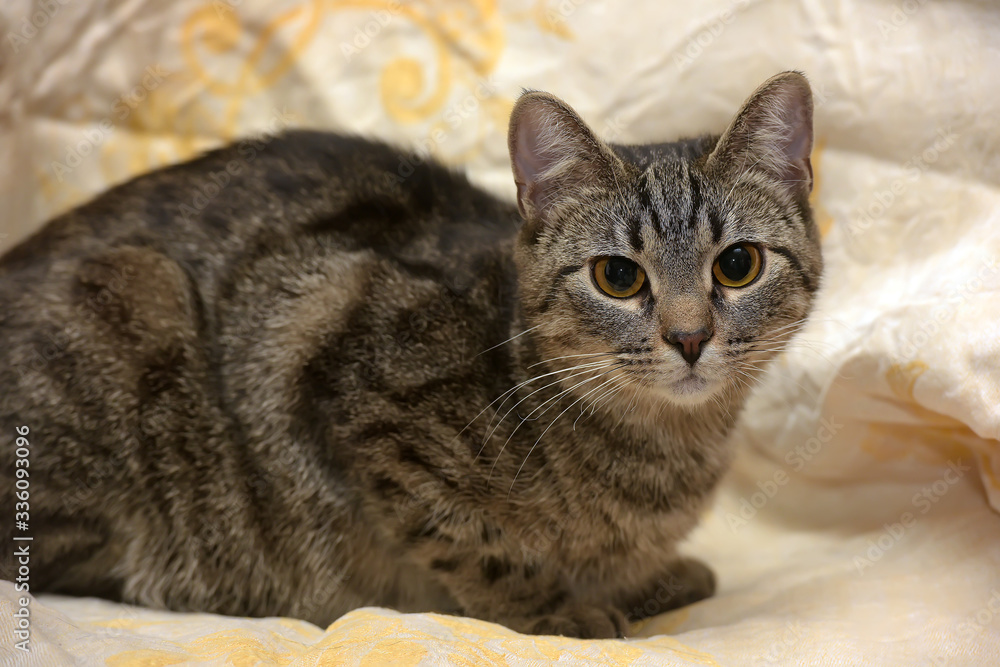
[291, 378]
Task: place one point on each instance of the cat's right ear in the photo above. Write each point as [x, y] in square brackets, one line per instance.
[554, 155]
[772, 134]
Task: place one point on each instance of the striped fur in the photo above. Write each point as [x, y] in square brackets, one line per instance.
[326, 384]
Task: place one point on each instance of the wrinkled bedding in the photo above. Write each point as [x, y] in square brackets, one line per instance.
[860, 523]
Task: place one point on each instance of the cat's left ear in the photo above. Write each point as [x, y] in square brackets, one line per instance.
[554, 155]
[773, 134]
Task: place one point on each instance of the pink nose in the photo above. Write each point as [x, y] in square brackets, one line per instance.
[689, 344]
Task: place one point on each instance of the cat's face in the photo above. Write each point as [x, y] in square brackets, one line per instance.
[682, 268]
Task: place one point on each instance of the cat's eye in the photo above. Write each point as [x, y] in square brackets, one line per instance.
[619, 277]
[737, 265]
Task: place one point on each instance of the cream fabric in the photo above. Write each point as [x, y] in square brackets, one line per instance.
[859, 525]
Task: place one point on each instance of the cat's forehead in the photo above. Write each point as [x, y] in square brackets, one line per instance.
[662, 205]
[670, 206]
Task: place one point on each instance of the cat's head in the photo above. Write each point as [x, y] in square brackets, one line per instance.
[682, 267]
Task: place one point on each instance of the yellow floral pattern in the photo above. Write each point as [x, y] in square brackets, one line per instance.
[229, 63]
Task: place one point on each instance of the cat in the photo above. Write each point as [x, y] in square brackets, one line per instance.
[286, 378]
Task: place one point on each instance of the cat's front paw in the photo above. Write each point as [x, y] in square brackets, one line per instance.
[580, 620]
[696, 581]
[687, 581]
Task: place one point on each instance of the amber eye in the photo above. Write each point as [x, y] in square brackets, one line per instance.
[737, 265]
[618, 276]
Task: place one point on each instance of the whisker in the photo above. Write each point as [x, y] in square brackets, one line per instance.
[804, 348]
[514, 389]
[546, 431]
[553, 402]
[719, 404]
[508, 340]
[593, 404]
[794, 323]
[609, 395]
[590, 367]
[746, 380]
[628, 408]
[788, 378]
[490, 429]
[571, 356]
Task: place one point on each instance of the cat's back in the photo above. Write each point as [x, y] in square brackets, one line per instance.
[210, 210]
[226, 231]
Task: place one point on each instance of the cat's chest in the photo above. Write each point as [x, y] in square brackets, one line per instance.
[633, 510]
[641, 477]
[629, 509]
[601, 543]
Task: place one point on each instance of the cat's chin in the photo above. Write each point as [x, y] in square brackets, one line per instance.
[690, 391]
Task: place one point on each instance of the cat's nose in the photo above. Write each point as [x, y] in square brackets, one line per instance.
[689, 344]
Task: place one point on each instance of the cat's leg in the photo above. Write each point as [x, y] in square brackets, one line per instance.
[525, 596]
[107, 411]
[686, 581]
[486, 573]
